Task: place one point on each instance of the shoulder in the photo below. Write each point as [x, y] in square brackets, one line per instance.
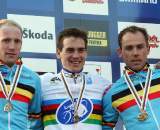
[97, 79]
[49, 79]
[27, 72]
[47, 76]
[155, 73]
[119, 85]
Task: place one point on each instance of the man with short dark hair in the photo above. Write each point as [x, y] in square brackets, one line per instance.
[135, 97]
[72, 100]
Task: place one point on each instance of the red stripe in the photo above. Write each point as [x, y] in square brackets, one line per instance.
[2, 95]
[99, 107]
[126, 105]
[55, 106]
[21, 98]
[154, 95]
[109, 124]
[50, 107]
[132, 102]
[17, 97]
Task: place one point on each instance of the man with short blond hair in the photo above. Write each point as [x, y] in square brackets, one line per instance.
[20, 88]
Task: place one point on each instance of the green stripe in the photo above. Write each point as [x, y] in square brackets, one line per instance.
[88, 121]
[92, 121]
[50, 122]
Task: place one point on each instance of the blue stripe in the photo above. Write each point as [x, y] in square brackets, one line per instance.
[53, 101]
[96, 101]
[58, 101]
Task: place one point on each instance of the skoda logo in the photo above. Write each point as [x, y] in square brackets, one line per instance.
[65, 112]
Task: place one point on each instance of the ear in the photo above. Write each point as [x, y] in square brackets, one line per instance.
[119, 52]
[148, 49]
[86, 53]
[58, 53]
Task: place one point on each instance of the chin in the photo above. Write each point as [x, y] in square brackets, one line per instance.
[11, 62]
[137, 68]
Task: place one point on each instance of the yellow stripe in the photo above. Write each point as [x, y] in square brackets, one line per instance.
[122, 100]
[95, 116]
[24, 92]
[21, 92]
[155, 88]
[49, 117]
[125, 99]
[92, 116]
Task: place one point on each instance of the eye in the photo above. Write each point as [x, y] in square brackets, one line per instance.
[141, 46]
[69, 50]
[128, 48]
[7, 40]
[17, 41]
[81, 50]
[72, 50]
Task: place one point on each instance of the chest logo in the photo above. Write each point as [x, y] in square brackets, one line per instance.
[65, 112]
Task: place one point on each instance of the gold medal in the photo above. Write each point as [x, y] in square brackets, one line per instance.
[142, 116]
[76, 118]
[8, 93]
[8, 107]
[141, 102]
[75, 102]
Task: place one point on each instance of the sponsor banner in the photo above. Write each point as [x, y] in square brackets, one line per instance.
[38, 33]
[101, 68]
[95, 7]
[98, 43]
[31, 5]
[41, 65]
[154, 36]
[139, 8]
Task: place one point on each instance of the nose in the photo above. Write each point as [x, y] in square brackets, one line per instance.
[76, 53]
[12, 44]
[135, 51]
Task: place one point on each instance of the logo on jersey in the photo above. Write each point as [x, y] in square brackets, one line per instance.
[65, 111]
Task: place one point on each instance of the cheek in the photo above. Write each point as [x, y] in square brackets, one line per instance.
[84, 56]
[125, 55]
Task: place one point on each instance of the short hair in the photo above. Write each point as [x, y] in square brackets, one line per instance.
[133, 29]
[8, 22]
[71, 32]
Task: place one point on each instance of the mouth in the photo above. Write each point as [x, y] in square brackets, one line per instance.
[10, 54]
[136, 62]
[76, 62]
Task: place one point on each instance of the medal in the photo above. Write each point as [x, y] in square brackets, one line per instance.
[9, 92]
[76, 118]
[8, 107]
[142, 116]
[140, 102]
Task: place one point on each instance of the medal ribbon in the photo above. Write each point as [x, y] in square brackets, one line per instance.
[140, 102]
[8, 95]
[70, 94]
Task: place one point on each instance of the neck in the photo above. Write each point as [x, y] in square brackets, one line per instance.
[145, 67]
[72, 72]
[6, 64]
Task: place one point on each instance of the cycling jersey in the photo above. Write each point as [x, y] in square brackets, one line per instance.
[58, 105]
[24, 108]
[120, 102]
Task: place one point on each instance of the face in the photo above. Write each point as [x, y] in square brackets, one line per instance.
[10, 44]
[73, 54]
[134, 50]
